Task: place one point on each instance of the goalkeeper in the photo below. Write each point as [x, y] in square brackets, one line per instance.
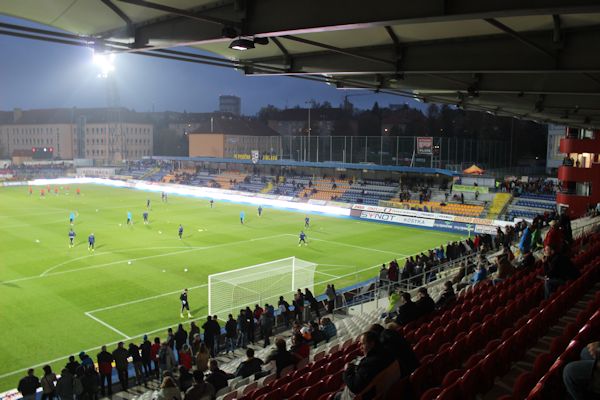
[302, 239]
[184, 303]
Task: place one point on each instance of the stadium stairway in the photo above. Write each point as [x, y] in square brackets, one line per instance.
[499, 203]
[267, 188]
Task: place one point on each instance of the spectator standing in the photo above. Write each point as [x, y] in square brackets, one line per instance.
[242, 329]
[266, 327]
[185, 356]
[72, 365]
[330, 293]
[121, 363]
[383, 275]
[194, 329]
[284, 310]
[28, 385]
[180, 336]
[554, 237]
[105, 360]
[250, 324]
[298, 305]
[525, 242]
[155, 349]
[166, 359]
[558, 269]
[217, 338]
[250, 366]
[89, 384]
[312, 301]
[202, 357]
[209, 334]
[230, 334]
[48, 384]
[146, 350]
[136, 359]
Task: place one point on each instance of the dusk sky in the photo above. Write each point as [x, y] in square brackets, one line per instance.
[35, 74]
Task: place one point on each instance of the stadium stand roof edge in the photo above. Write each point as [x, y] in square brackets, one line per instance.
[290, 163]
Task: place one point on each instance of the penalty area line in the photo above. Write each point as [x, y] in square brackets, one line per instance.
[112, 328]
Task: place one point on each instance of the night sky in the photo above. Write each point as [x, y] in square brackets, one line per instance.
[35, 74]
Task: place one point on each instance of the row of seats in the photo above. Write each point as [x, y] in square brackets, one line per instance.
[539, 205]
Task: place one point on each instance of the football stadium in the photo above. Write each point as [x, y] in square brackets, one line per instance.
[442, 248]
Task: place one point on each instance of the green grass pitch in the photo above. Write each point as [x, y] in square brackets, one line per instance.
[50, 292]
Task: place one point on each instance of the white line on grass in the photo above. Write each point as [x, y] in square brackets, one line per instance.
[325, 273]
[186, 250]
[7, 374]
[112, 328]
[143, 299]
[356, 247]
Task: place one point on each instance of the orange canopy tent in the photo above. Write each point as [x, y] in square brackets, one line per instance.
[474, 170]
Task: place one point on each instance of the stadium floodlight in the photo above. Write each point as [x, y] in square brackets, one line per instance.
[241, 44]
[230, 291]
[105, 63]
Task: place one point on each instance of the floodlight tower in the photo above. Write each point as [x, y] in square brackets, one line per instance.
[115, 143]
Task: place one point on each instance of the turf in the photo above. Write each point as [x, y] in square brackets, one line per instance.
[47, 287]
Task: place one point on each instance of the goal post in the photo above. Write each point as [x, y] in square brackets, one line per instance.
[230, 291]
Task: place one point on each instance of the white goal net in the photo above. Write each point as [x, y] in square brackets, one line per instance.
[230, 291]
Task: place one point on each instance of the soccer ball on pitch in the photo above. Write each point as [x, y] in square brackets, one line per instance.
[129, 262]
[185, 270]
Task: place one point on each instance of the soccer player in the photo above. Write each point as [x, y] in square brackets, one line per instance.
[145, 215]
[184, 303]
[56, 191]
[307, 222]
[259, 211]
[42, 192]
[211, 203]
[30, 190]
[302, 239]
[71, 217]
[72, 235]
[148, 204]
[242, 216]
[129, 221]
[180, 231]
[91, 242]
[78, 192]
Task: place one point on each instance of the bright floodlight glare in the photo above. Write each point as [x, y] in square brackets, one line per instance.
[105, 63]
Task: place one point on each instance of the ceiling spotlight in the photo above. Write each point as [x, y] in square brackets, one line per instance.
[241, 44]
[261, 40]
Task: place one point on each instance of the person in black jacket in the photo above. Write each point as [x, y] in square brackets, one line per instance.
[407, 312]
[250, 366]
[194, 329]
[146, 350]
[217, 377]
[425, 303]
[358, 376]
[558, 269]
[181, 336]
[136, 359]
[230, 334]
[394, 343]
[282, 357]
[121, 363]
[28, 385]
[209, 334]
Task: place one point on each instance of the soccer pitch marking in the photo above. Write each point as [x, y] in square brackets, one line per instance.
[162, 329]
[48, 272]
[356, 247]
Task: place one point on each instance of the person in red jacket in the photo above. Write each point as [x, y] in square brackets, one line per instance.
[393, 272]
[105, 360]
[154, 355]
[185, 357]
[554, 238]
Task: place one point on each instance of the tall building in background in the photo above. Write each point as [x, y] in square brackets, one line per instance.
[230, 104]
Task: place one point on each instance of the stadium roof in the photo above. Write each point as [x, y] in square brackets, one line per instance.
[535, 59]
[308, 164]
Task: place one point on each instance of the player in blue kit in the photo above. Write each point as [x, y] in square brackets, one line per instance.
[242, 217]
[259, 211]
[306, 222]
[212, 202]
[145, 215]
[71, 218]
[184, 303]
[129, 221]
[72, 235]
[180, 231]
[91, 242]
[148, 204]
[302, 239]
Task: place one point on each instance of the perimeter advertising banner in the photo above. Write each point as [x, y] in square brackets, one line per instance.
[397, 219]
[470, 189]
[425, 145]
